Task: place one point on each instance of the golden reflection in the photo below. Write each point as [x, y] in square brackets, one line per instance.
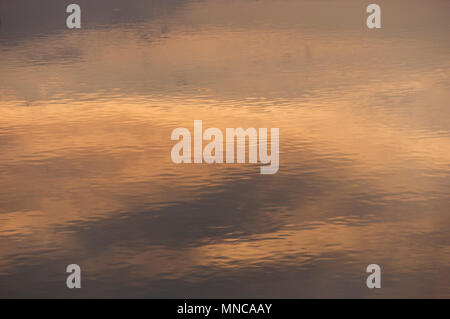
[85, 142]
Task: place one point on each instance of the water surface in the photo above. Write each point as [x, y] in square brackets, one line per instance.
[86, 175]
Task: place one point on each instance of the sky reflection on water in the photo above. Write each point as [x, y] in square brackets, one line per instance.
[86, 175]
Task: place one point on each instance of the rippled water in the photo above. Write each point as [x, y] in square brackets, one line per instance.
[86, 175]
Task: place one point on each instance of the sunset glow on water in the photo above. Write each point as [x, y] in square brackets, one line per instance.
[86, 175]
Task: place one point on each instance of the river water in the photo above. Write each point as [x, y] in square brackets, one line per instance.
[86, 175]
